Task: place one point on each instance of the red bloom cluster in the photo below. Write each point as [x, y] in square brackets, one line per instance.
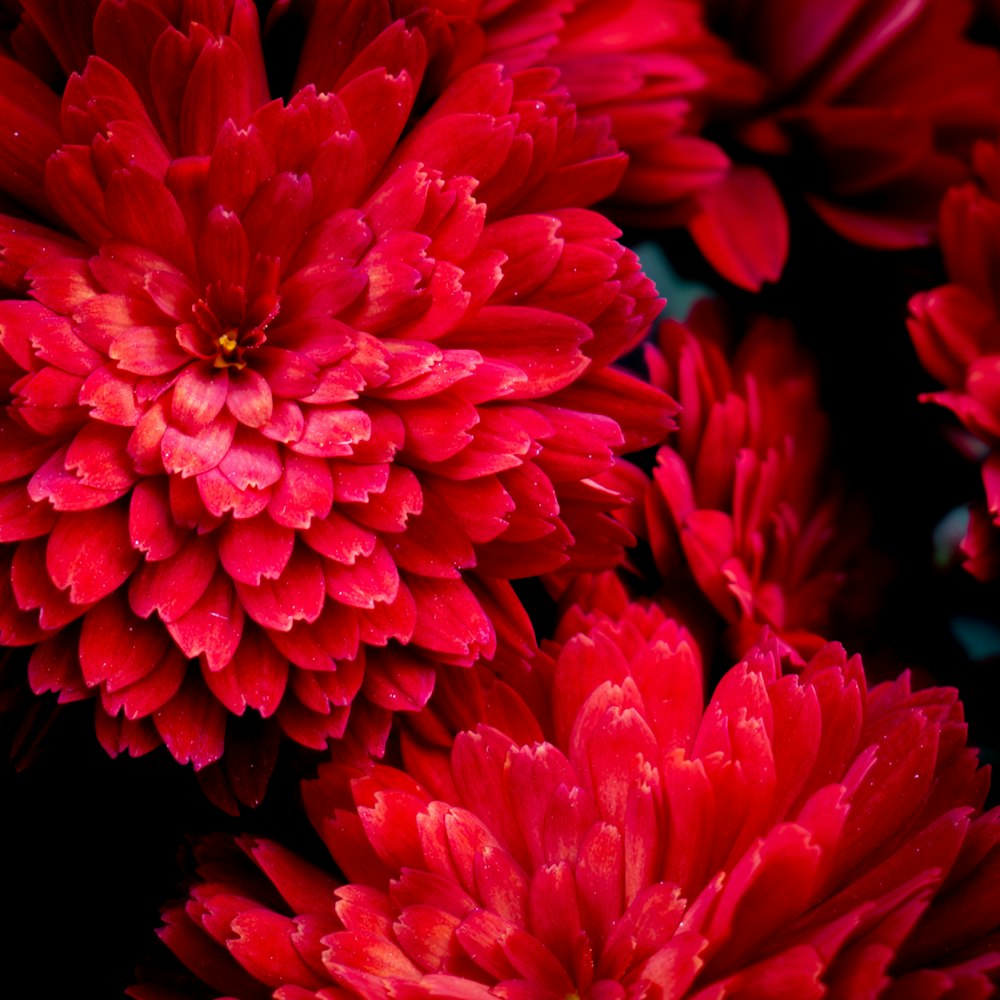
[800, 836]
[956, 332]
[742, 499]
[661, 77]
[877, 103]
[291, 389]
[869, 109]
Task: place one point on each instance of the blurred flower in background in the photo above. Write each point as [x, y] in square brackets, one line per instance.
[744, 503]
[956, 333]
[729, 108]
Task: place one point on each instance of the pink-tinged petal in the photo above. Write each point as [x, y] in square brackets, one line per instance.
[611, 741]
[213, 626]
[388, 507]
[251, 462]
[296, 595]
[198, 395]
[265, 946]
[386, 439]
[20, 452]
[600, 880]
[278, 214]
[192, 725]
[536, 963]
[34, 590]
[172, 585]
[554, 913]
[21, 517]
[483, 935]
[398, 680]
[389, 620]
[480, 763]
[480, 506]
[255, 548]
[450, 620]
[186, 937]
[221, 496]
[304, 492]
[191, 454]
[319, 645]
[48, 401]
[386, 98]
[216, 91]
[30, 135]
[339, 538]
[144, 696]
[356, 482]
[261, 672]
[123, 735]
[148, 350]
[651, 919]
[361, 960]
[304, 887]
[111, 397]
[545, 346]
[500, 440]
[223, 248]
[331, 432]
[116, 649]
[426, 934]
[152, 528]
[90, 553]
[54, 667]
[431, 547]
[286, 423]
[98, 457]
[636, 406]
[249, 399]
[51, 337]
[142, 210]
[144, 444]
[365, 580]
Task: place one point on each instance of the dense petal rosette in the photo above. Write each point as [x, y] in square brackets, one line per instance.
[743, 498]
[799, 836]
[956, 333]
[293, 388]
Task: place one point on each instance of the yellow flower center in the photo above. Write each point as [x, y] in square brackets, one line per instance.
[228, 343]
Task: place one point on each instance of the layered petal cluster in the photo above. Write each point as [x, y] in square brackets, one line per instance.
[667, 83]
[743, 499]
[956, 333]
[661, 77]
[799, 836]
[727, 106]
[291, 389]
[874, 105]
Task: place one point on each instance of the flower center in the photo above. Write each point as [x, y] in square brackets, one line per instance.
[228, 343]
[226, 325]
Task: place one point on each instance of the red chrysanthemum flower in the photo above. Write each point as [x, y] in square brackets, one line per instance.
[293, 388]
[800, 836]
[956, 333]
[743, 498]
